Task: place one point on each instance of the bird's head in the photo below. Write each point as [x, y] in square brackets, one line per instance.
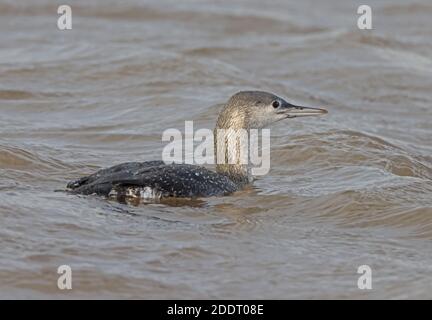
[259, 109]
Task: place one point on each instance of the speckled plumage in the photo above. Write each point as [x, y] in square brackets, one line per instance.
[154, 179]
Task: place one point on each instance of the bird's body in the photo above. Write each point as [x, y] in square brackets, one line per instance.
[155, 179]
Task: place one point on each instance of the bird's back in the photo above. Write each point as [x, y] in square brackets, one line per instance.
[154, 179]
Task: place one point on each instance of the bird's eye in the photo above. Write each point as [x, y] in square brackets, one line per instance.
[275, 104]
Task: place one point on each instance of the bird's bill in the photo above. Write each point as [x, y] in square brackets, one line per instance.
[298, 111]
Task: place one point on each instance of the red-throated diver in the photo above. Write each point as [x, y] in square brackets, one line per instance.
[155, 179]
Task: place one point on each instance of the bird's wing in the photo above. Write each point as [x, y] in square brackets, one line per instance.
[118, 169]
[177, 180]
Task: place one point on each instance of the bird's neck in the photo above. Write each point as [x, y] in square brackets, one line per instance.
[231, 137]
[232, 154]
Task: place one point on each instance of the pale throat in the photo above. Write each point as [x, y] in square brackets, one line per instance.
[232, 150]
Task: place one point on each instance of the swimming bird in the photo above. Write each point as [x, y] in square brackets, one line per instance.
[155, 179]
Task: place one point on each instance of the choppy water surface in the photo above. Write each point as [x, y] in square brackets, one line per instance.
[351, 188]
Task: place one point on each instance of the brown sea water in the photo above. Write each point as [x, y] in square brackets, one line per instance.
[351, 188]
